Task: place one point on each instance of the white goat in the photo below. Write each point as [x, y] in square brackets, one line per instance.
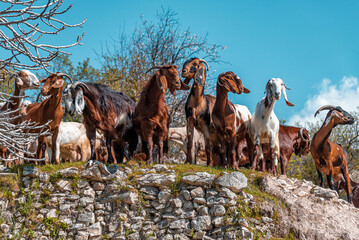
[179, 135]
[72, 142]
[264, 125]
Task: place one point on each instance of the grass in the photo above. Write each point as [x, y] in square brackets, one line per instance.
[8, 185]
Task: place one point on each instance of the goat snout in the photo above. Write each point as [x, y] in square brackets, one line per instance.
[277, 95]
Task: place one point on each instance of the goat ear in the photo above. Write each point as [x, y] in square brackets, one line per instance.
[246, 90]
[285, 96]
[19, 81]
[200, 76]
[43, 80]
[184, 86]
[162, 83]
[79, 102]
[266, 102]
[59, 83]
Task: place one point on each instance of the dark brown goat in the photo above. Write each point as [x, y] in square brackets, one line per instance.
[107, 110]
[198, 107]
[48, 110]
[151, 113]
[227, 118]
[328, 156]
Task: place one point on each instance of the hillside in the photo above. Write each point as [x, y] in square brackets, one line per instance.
[95, 201]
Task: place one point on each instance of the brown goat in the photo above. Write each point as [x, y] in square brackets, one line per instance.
[198, 107]
[48, 110]
[291, 140]
[227, 118]
[328, 156]
[151, 113]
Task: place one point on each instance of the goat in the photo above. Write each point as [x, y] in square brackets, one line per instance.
[291, 140]
[71, 139]
[103, 109]
[264, 125]
[198, 107]
[329, 157]
[151, 113]
[227, 118]
[24, 80]
[48, 110]
[179, 135]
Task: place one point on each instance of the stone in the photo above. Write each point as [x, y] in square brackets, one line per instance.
[95, 230]
[186, 194]
[199, 179]
[163, 224]
[189, 214]
[29, 171]
[225, 192]
[178, 224]
[5, 228]
[217, 210]
[69, 172]
[324, 193]
[199, 200]
[48, 186]
[86, 217]
[187, 206]
[160, 168]
[98, 186]
[64, 185]
[267, 220]
[127, 197]
[164, 196]
[51, 214]
[156, 180]
[197, 192]
[150, 191]
[201, 223]
[203, 211]
[217, 221]
[88, 192]
[176, 203]
[44, 177]
[235, 181]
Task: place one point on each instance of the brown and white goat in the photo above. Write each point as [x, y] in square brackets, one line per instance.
[198, 107]
[107, 110]
[48, 110]
[329, 157]
[264, 125]
[291, 140]
[151, 113]
[229, 119]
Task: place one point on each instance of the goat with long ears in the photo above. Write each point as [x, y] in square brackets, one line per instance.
[107, 110]
[328, 156]
[228, 119]
[264, 125]
[198, 107]
[151, 118]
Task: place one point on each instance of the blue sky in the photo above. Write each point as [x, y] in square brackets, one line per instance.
[312, 45]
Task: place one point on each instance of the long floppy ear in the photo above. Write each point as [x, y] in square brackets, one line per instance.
[225, 82]
[43, 80]
[19, 81]
[162, 82]
[285, 96]
[200, 76]
[79, 102]
[268, 99]
[59, 83]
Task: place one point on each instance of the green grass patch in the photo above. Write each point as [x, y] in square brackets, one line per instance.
[54, 226]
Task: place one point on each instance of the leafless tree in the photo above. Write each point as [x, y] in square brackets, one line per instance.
[26, 28]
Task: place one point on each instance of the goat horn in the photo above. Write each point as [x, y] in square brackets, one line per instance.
[286, 86]
[203, 61]
[38, 95]
[59, 74]
[325, 107]
[155, 67]
[302, 136]
[80, 83]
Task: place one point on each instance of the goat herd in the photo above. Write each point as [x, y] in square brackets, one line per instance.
[226, 133]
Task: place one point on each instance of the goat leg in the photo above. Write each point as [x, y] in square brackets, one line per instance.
[255, 157]
[190, 132]
[160, 152]
[348, 188]
[320, 178]
[233, 156]
[330, 180]
[109, 145]
[149, 150]
[208, 150]
[55, 147]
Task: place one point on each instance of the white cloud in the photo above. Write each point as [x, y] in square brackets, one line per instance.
[344, 94]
